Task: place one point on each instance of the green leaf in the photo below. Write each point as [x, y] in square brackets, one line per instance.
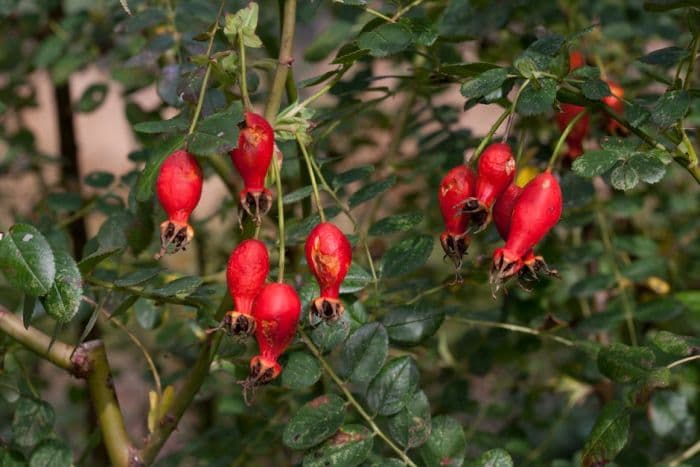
[608, 436]
[673, 344]
[411, 426]
[466, 69]
[243, 22]
[595, 89]
[407, 255]
[411, 325]
[301, 371]
[327, 335]
[371, 190]
[32, 422]
[178, 123]
[147, 178]
[649, 167]
[349, 54]
[62, 301]
[99, 179]
[348, 448]
[391, 389]
[549, 45]
[537, 97]
[670, 108]
[138, 277]
[423, 32]
[51, 453]
[27, 260]
[314, 422]
[352, 175]
[691, 299]
[625, 364]
[397, 223]
[659, 310]
[297, 195]
[387, 39]
[88, 263]
[218, 133]
[328, 40]
[364, 353]
[484, 83]
[666, 57]
[624, 176]
[92, 98]
[146, 313]
[12, 458]
[180, 288]
[446, 444]
[493, 458]
[356, 279]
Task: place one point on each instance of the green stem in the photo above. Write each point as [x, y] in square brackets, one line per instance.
[683, 361]
[243, 80]
[309, 167]
[276, 172]
[318, 94]
[512, 109]
[511, 327]
[425, 293]
[691, 63]
[563, 137]
[374, 12]
[487, 139]
[284, 61]
[351, 399]
[81, 212]
[207, 73]
[406, 9]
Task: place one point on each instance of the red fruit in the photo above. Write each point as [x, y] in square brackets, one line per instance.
[246, 272]
[578, 132]
[457, 185]
[496, 170]
[276, 310]
[615, 102]
[535, 213]
[329, 255]
[178, 187]
[576, 60]
[503, 209]
[251, 158]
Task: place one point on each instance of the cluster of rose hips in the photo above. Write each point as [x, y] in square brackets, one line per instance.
[523, 216]
[268, 311]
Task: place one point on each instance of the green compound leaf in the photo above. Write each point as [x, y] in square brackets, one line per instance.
[608, 436]
[412, 325]
[314, 422]
[537, 97]
[364, 353]
[484, 83]
[391, 389]
[387, 39]
[27, 260]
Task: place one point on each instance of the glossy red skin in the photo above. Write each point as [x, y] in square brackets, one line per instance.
[578, 132]
[496, 170]
[246, 273]
[276, 310]
[537, 210]
[503, 209]
[179, 185]
[329, 254]
[576, 60]
[456, 186]
[253, 154]
[614, 101]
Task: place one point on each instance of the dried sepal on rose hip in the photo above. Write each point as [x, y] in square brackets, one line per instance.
[535, 212]
[456, 186]
[329, 254]
[495, 171]
[252, 156]
[179, 188]
[246, 273]
[276, 310]
[615, 102]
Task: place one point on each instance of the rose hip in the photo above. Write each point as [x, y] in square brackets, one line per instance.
[251, 158]
[329, 255]
[246, 272]
[179, 188]
[615, 102]
[457, 185]
[578, 132]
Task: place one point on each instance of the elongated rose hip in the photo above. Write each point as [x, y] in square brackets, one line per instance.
[276, 310]
[246, 272]
[503, 209]
[615, 102]
[178, 187]
[495, 171]
[578, 133]
[251, 158]
[535, 212]
[457, 185]
[329, 255]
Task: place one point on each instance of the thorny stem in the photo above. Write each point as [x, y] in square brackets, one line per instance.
[243, 81]
[569, 128]
[487, 139]
[207, 73]
[280, 218]
[284, 61]
[512, 327]
[609, 249]
[351, 399]
[317, 196]
[682, 361]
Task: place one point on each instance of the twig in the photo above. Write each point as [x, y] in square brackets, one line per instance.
[683, 361]
[284, 61]
[511, 327]
[487, 139]
[309, 167]
[563, 137]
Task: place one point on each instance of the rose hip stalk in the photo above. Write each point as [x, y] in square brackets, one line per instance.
[246, 272]
[495, 171]
[457, 185]
[615, 102]
[578, 133]
[329, 255]
[276, 310]
[178, 187]
[251, 158]
[535, 212]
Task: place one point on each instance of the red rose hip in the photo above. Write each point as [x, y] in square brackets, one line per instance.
[179, 188]
[246, 272]
[578, 133]
[457, 185]
[329, 255]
